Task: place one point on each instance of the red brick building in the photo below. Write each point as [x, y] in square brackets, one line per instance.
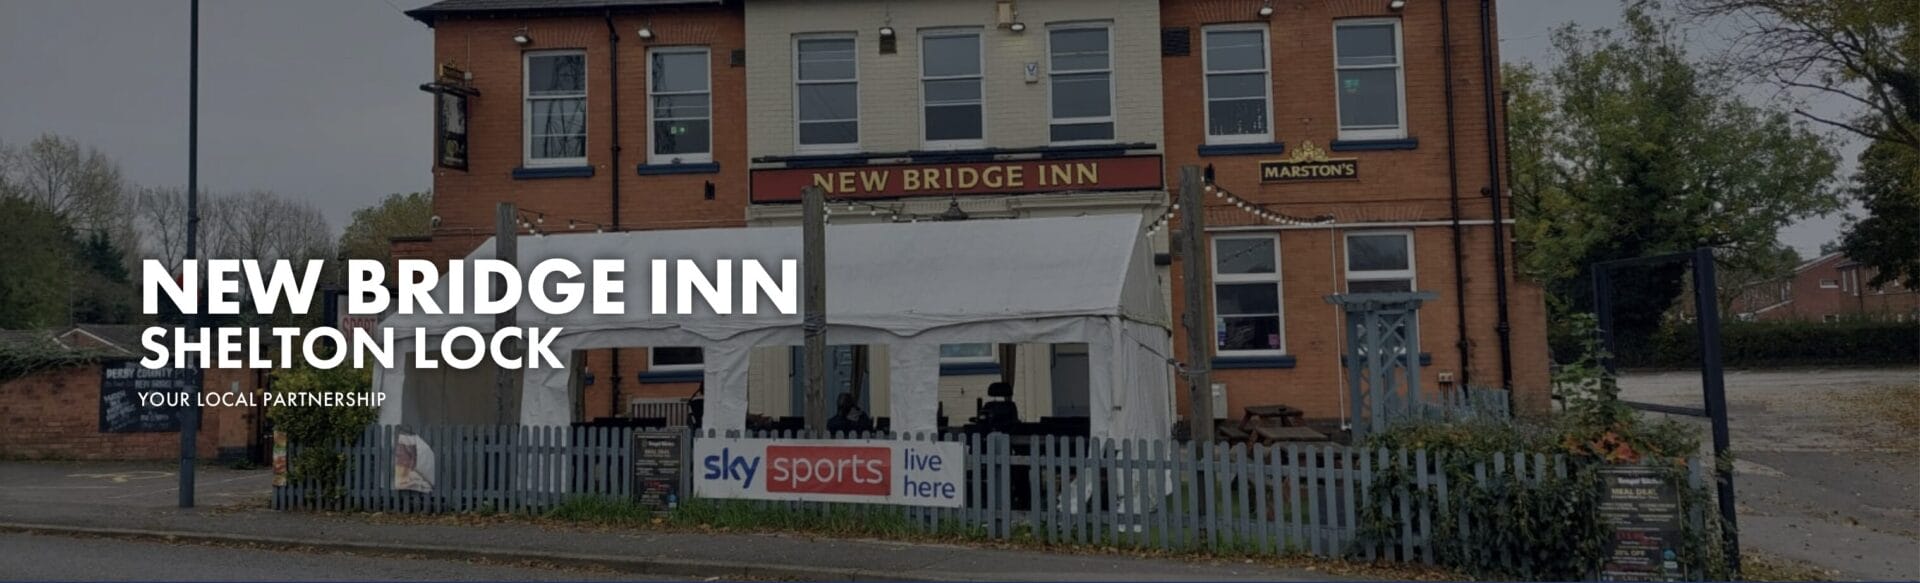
[1829, 288]
[1378, 113]
[1394, 100]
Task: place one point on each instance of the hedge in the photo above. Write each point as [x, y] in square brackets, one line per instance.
[1779, 344]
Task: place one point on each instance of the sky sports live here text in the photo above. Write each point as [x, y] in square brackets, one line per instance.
[864, 471]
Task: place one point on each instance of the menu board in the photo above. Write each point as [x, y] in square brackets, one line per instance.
[1644, 508]
[121, 385]
[657, 468]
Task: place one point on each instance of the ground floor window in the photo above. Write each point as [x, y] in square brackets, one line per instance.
[675, 358]
[969, 353]
[1247, 318]
[1380, 261]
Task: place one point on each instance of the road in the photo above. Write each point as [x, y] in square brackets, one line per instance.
[27, 557]
[1824, 472]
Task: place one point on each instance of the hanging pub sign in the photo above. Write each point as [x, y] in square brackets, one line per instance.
[997, 177]
[1309, 162]
[450, 94]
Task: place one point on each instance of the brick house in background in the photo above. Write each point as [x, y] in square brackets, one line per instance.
[1114, 94]
[1829, 288]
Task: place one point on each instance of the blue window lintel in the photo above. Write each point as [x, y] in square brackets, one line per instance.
[1367, 145]
[1240, 149]
[1275, 361]
[672, 376]
[659, 169]
[969, 368]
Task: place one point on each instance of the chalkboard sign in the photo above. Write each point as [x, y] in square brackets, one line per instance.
[1644, 508]
[122, 383]
[657, 467]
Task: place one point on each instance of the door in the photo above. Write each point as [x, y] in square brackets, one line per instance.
[1070, 380]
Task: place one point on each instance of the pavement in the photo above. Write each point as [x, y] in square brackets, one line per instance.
[1818, 476]
[84, 509]
[23, 557]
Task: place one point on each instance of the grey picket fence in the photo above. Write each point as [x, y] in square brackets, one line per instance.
[1131, 493]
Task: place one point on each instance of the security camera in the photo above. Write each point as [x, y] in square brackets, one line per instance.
[434, 221]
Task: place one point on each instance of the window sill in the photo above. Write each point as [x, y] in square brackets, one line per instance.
[969, 368]
[1228, 362]
[681, 168]
[1370, 145]
[1242, 149]
[539, 172]
[672, 376]
[1426, 359]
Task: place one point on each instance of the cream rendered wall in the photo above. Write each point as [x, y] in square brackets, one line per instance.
[1016, 111]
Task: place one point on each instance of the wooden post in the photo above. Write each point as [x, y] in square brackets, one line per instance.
[813, 237]
[505, 248]
[1193, 277]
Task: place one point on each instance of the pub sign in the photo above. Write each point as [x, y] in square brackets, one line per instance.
[972, 178]
[1309, 162]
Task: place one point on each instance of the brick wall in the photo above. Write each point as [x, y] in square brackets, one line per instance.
[1404, 189]
[55, 414]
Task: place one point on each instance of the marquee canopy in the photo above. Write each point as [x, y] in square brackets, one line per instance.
[910, 286]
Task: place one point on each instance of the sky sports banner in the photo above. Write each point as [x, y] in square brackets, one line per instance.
[865, 471]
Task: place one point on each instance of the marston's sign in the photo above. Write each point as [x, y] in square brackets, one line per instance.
[1309, 162]
[1008, 177]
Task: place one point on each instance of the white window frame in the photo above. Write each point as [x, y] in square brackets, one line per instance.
[526, 109]
[652, 118]
[1399, 73]
[980, 77]
[655, 367]
[859, 124]
[993, 355]
[1279, 292]
[1410, 274]
[1266, 85]
[1113, 85]
[1830, 284]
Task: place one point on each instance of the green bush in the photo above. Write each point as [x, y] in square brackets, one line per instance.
[317, 429]
[1779, 344]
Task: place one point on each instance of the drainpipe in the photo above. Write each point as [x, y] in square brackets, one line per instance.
[613, 83]
[1504, 327]
[1453, 203]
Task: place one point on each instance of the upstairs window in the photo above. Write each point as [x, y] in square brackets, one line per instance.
[1368, 79]
[950, 89]
[665, 358]
[969, 353]
[1080, 69]
[681, 98]
[556, 108]
[1246, 296]
[1379, 262]
[1237, 84]
[826, 94]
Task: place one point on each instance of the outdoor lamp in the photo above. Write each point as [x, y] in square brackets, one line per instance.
[1396, 5]
[521, 38]
[646, 33]
[1017, 27]
[886, 32]
[1266, 9]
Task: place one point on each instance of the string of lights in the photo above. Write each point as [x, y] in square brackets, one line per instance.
[534, 222]
[895, 212]
[1258, 210]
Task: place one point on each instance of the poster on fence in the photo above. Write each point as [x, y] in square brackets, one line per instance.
[1644, 508]
[412, 463]
[841, 470]
[656, 468]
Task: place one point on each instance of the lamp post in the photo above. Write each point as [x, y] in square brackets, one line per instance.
[190, 417]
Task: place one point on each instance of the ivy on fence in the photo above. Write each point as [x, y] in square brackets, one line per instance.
[1547, 525]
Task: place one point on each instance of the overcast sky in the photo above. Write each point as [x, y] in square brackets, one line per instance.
[320, 100]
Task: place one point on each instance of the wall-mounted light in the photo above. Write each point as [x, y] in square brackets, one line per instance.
[645, 33]
[886, 32]
[1396, 5]
[1266, 9]
[521, 38]
[1017, 27]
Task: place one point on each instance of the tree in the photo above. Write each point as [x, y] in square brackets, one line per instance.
[78, 183]
[103, 293]
[38, 264]
[1628, 148]
[1887, 185]
[370, 235]
[1864, 52]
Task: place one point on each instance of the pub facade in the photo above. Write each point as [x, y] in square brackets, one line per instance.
[668, 114]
